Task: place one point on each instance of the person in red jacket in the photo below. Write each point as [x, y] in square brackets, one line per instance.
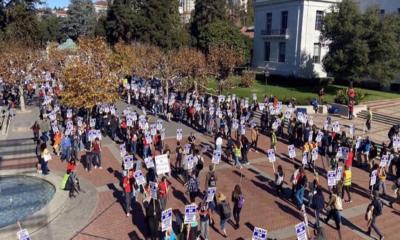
[71, 165]
[350, 156]
[163, 188]
[128, 185]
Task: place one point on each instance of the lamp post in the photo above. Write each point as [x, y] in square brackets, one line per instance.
[266, 75]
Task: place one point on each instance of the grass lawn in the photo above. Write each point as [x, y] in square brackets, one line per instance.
[303, 94]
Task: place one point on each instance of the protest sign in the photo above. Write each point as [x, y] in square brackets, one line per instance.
[122, 149]
[190, 213]
[259, 234]
[319, 137]
[149, 162]
[162, 164]
[304, 160]
[339, 173]
[69, 113]
[211, 193]
[373, 177]
[301, 232]
[271, 155]
[384, 161]
[166, 220]
[128, 162]
[186, 148]
[314, 154]
[331, 178]
[292, 151]
[139, 178]
[92, 122]
[216, 158]
[179, 133]
[336, 127]
[153, 189]
[23, 234]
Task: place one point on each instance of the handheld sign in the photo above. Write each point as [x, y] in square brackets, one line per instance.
[314, 154]
[304, 160]
[339, 173]
[384, 161]
[211, 193]
[345, 152]
[288, 113]
[396, 142]
[122, 149]
[259, 234]
[373, 177]
[276, 124]
[23, 234]
[159, 125]
[292, 151]
[69, 113]
[235, 124]
[216, 158]
[319, 137]
[139, 178]
[301, 232]
[352, 130]
[179, 133]
[336, 127]
[153, 190]
[149, 162]
[190, 214]
[331, 178]
[153, 129]
[166, 220]
[187, 148]
[162, 164]
[271, 155]
[92, 122]
[128, 162]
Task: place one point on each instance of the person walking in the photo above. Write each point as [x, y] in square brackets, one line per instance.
[96, 153]
[279, 179]
[374, 210]
[237, 154]
[153, 217]
[225, 212]
[238, 202]
[193, 187]
[318, 202]
[254, 138]
[128, 187]
[300, 187]
[211, 178]
[335, 206]
[347, 182]
[163, 189]
[204, 220]
[369, 119]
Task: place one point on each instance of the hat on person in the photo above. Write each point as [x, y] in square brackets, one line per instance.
[221, 197]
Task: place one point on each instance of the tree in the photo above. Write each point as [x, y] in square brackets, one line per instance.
[384, 46]
[225, 33]
[81, 20]
[160, 23]
[222, 60]
[205, 12]
[250, 13]
[123, 21]
[50, 28]
[348, 50]
[90, 71]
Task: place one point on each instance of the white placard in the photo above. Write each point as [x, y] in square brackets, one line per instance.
[23, 234]
[153, 190]
[339, 173]
[128, 162]
[211, 193]
[162, 164]
[352, 130]
[166, 220]
[259, 234]
[314, 154]
[149, 162]
[271, 155]
[216, 158]
[331, 178]
[384, 161]
[276, 124]
[301, 231]
[373, 177]
[186, 148]
[190, 213]
[139, 178]
[92, 122]
[292, 151]
[69, 113]
[179, 133]
[336, 127]
[304, 160]
[122, 149]
[319, 137]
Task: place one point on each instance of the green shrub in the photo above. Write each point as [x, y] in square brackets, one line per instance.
[248, 79]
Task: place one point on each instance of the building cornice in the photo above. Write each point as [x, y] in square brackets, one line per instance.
[277, 2]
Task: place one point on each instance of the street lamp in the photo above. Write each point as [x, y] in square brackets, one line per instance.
[266, 75]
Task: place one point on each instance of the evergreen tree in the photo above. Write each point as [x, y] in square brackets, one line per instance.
[81, 20]
[205, 12]
[50, 28]
[250, 13]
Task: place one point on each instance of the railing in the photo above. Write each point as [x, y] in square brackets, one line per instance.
[275, 32]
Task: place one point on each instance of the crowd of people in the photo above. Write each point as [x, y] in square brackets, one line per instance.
[75, 135]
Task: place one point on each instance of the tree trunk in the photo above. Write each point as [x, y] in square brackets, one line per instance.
[129, 97]
[21, 98]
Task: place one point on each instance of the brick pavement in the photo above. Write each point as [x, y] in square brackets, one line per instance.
[262, 207]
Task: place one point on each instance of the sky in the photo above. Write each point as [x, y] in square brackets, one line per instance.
[57, 3]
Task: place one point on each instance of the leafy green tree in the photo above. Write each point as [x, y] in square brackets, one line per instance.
[81, 20]
[205, 12]
[225, 33]
[50, 28]
[123, 21]
[100, 29]
[348, 50]
[250, 13]
[160, 23]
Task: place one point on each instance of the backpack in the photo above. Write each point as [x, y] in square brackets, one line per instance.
[212, 181]
[377, 207]
[241, 201]
[226, 210]
[338, 203]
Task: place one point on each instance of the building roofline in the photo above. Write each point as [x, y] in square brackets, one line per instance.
[275, 2]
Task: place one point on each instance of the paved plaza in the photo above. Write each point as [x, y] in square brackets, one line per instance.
[98, 212]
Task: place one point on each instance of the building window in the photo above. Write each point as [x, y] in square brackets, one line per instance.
[284, 21]
[268, 26]
[382, 12]
[317, 53]
[267, 51]
[398, 10]
[318, 20]
[282, 52]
